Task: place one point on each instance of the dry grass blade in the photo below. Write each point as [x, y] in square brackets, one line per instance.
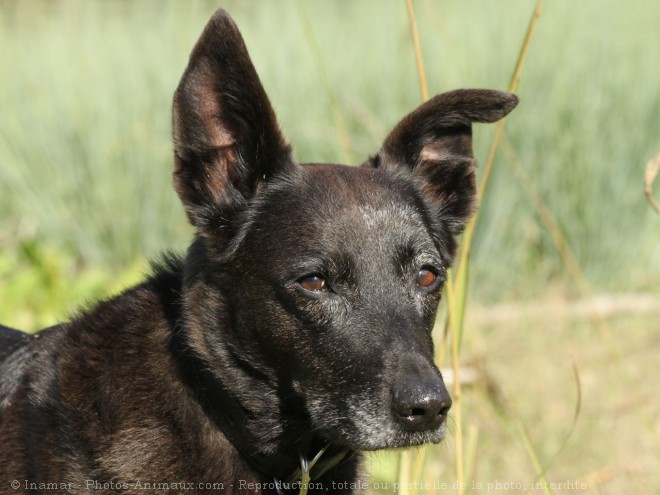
[524, 50]
[471, 452]
[571, 430]
[421, 73]
[513, 85]
[456, 311]
[652, 169]
[529, 446]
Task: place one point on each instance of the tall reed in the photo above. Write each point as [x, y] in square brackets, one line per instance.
[457, 282]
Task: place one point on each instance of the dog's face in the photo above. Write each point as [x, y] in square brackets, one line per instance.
[332, 274]
[351, 276]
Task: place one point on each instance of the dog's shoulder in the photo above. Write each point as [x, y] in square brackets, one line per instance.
[74, 370]
[10, 340]
[120, 322]
[22, 354]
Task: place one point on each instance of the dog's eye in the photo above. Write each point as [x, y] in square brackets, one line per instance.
[313, 283]
[427, 277]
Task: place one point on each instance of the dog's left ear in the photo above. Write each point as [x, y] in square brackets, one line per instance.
[226, 138]
[434, 142]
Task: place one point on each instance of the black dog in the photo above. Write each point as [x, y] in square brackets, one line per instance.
[298, 325]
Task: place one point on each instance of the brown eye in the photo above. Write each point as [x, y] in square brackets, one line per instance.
[313, 283]
[426, 277]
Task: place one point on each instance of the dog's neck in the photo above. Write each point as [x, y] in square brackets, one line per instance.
[280, 460]
[248, 408]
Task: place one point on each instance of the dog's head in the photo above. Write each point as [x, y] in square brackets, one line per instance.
[322, 281]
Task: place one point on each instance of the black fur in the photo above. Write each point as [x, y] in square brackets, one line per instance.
[300, 317]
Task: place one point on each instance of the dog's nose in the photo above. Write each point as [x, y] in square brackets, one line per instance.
[421, 405]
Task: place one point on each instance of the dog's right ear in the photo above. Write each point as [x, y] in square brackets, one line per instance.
[226, 138]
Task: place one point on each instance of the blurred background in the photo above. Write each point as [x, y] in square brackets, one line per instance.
[562, 333]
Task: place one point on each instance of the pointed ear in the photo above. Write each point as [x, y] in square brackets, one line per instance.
[226, 137]
[434, 142]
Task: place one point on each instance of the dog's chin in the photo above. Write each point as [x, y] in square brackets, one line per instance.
[378, 435]
[393, 438]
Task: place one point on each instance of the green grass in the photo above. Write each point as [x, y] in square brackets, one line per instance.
[85, 161]
[85, 154]
[41, 286]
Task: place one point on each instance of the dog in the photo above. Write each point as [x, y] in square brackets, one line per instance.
[293, 335]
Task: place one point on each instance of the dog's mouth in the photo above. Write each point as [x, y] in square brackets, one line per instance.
[397, 437]
[365, 429]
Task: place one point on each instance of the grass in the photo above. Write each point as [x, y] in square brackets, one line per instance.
[85, 152]
[85, 161]
[42, 286]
